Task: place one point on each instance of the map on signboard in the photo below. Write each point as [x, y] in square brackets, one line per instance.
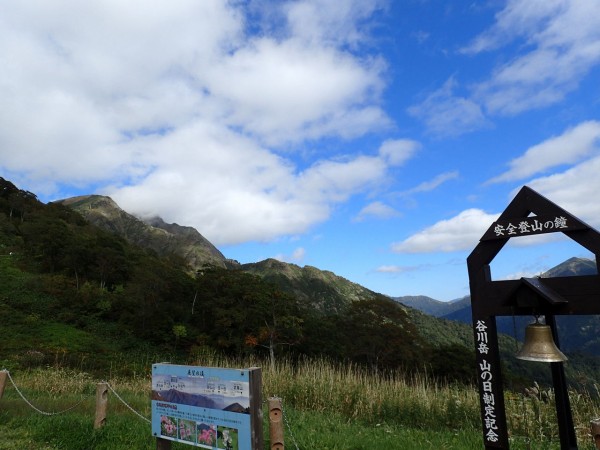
[202, 392]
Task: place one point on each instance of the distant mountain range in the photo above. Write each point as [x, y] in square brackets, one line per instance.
[103, 295]
[577, 333]
[434, 307]
[325, 290]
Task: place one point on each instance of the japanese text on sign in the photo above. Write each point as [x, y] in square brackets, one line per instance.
[530, 225]
[485, 374]
[526, 226]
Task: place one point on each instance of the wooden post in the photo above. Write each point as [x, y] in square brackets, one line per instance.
[256, 410]
[163, 444]
[595, 429]
[3, 374]
[276, 423]
[101, 404]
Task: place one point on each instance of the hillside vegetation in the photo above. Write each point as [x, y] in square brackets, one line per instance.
[74, 292]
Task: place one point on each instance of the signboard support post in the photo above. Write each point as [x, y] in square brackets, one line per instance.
[256, 412]
[163, 444]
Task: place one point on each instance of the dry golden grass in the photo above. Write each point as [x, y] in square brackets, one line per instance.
[324, 387]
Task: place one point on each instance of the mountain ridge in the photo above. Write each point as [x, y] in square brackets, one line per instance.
[322, 289]
[431, 306]
[577, 332]
[154, 233]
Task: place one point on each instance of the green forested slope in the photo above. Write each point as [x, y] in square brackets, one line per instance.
[69, 289]
[73, 292]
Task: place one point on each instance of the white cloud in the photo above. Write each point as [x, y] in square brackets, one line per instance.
[461, 232]
[574, 190]
[430, 185]
[336, 180]
[79, 77]
[180, 109]
[378, 210]
[517, 19]
[561, 44]
[396, 269]
[249, 193]
[447, 114]
[398, 151]
[281, 91]
[331, 22]
[550, 46]
[297, 256]
[573, 145]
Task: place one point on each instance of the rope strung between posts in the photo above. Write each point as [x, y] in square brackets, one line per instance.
[125, 403]
[287, 424]
[45, 413]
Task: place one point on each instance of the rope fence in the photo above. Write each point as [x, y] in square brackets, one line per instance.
[126, 404]
[4, 374]
[277, 415]
[35, 408]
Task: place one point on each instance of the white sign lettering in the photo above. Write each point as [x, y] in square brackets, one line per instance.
[485, 371]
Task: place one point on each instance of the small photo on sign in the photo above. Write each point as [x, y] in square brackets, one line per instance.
[187, 430]
[168, 426]
[207, 434]
[227, 438]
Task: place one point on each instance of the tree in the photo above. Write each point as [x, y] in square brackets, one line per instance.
[45, 240]
[378, 333]
[453, 363]
[282, 325]
[180, 331]
[240, 311]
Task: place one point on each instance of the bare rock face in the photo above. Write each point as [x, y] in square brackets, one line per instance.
[163, 238]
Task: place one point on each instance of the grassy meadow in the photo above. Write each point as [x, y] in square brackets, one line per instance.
[326, 407]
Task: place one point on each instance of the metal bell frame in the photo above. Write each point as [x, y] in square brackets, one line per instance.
[527, 214]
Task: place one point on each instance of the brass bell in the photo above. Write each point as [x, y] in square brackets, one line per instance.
[539, 345]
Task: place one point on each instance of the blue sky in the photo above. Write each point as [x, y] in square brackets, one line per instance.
[377, 140]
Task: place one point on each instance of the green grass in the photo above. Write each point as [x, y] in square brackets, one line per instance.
[311, 430]
[326, 407]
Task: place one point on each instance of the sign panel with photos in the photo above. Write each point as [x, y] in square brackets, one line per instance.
[202, 406]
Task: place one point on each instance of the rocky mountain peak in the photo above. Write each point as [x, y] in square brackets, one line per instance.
[155, 234]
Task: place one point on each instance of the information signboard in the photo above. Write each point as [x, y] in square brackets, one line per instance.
[202, 406]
